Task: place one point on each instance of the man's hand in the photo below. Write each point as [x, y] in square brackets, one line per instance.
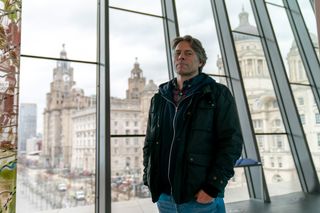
[203, 197]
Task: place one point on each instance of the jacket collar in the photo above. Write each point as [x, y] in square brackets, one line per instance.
[193, 85]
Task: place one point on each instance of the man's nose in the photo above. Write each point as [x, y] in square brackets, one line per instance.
[181, 56]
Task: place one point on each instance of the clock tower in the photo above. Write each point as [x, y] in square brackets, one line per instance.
[136, 82]
[63, 71]
[62, 101]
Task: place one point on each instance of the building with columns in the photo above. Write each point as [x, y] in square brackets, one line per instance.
[274, 148]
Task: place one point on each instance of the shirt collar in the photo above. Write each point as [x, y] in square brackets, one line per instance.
[187, 83]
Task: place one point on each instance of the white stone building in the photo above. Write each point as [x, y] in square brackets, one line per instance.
[84, 139]
[274, 149]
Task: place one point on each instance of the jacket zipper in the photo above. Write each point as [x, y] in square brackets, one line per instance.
[174, 134]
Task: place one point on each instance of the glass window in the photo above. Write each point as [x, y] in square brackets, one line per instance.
[202, 27]
[43, 31]
[257, 124]
[295, 71]
[242, 20]
[145, 6]
[310, 21]
[260, 141]
[279, 143]
[57, 168]
[137, 67]
[57, 165]
[277, 2]
[279, 162]
[261, 98]
[303, 118]
[288, 47]
[317, 116]
[144, 51]
[300, 101]
[272, 161]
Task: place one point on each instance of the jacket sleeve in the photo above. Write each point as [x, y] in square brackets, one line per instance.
[228, 139]
[147, 145]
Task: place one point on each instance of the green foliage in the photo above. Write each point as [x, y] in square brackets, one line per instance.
[10, 17]
[8, 174]
[12, 204]
[12, 9]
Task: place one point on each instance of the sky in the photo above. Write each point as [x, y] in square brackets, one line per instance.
[47, 25]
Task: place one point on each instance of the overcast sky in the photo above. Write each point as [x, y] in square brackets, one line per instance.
[47, 24]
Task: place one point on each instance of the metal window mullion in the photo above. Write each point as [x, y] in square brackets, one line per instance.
[257, 189]
[171, 30]
[296, 137]
[305, 47]
[313, 2]
[103, 167]
[316, 8]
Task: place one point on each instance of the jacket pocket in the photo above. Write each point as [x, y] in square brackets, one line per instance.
[199, 159]
[203, 119]
[197, 170]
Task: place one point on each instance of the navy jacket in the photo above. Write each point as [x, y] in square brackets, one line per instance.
[193, 145]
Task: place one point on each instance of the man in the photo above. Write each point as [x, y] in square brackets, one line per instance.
[193, 136]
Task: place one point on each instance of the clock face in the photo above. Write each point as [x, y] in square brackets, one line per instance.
[66, 77]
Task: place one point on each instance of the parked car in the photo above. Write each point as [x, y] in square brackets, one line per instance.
[62, 187]
[79, 195]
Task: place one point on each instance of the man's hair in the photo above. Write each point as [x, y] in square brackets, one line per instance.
[195, 45]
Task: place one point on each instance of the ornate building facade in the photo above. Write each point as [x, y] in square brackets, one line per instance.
[62, 101]
[70, 124]
[128, 117]
[272, 141]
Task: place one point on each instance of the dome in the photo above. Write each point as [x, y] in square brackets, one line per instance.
[151, 86]
[245, 27]
[77, 90]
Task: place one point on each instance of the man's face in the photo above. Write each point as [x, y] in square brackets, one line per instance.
[186, 60]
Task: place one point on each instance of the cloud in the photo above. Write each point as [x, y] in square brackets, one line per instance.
[145, 6]
[47, 24]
